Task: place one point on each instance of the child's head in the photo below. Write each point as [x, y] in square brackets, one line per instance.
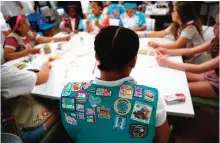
[183, 12]
[72, 12]
[130, 8]
[216, 26]
[116, 49]
[19, 24]
[97, 7]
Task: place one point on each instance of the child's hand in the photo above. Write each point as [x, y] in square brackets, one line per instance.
[87, 22]
[162, 60]
[76, 31]
[153, 44]
[68, 30]
[66, 38]
[97, 23]
[33, 50]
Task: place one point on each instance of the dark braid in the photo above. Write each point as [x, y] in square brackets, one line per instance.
[115, 47]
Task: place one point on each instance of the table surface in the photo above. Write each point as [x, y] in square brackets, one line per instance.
[78, 60]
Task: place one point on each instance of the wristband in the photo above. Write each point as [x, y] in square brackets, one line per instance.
[145, 34]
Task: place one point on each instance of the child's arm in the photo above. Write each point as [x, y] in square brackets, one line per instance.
[63, 28]
[201, 68]
[10, 54]
[142, 28]
[162, 133]
[186, 51]
[180, 43]
[161, 33]
[43, 75]
[43, 39]
[88, 26]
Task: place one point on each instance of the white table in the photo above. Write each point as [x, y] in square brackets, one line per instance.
[78, 61]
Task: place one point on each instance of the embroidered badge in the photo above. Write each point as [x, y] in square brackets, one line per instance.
[76, 87]
[70, 120]
[81, 97]
[103, 112]
[126, 92]
[86, 85]
[80, 115]
[67, 89]
[149, 95]
[138, 92]
[35, 121]
[103, 92]
[68, 103]
[141, 112]
[79, 107]
[73, 115]
[119, 123]
[91, 119]
[90, 111]
[91, 90]
[138, 131]
[122, 106]
[94, 101]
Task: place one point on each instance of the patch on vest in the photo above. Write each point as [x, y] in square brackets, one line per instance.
[81, 97]
[119, 123]
[79, 107]
[149, 95]
[138, 131]
[138, 92]
[86, 85]
[141, 112]
[104, 112]
[76, 87]
[70, 119]
[126, 92]
[68, 103]
[67, 89]
[94, 101]
[91, 119]
[122, 106]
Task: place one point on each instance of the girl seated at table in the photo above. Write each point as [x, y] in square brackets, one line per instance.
[124, 117]
[96, 20]
[73, 22]
[115, 10]
[132, 18]
[204, 78]
[21, 41]
[23, 114]
[186, 28]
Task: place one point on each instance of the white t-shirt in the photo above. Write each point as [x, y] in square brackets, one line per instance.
[160, 113]
[192, 34]
[16, 82]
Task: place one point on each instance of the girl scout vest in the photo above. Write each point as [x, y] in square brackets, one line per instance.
[94, 113]
[20, 43]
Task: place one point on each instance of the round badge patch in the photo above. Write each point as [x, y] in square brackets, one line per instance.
[81, 97]
[122, 106]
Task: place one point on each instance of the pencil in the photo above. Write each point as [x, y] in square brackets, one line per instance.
[94, 67]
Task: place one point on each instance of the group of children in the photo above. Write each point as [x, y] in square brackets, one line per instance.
[113, 105]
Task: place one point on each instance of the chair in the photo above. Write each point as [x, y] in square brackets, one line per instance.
[199, 101]
[150, 23]
[38, 24]
[208, 32]
[114, 22]
[10, 138]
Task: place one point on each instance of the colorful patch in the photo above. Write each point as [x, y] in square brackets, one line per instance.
[81, 97]
[103, 112]
[44, 113]
[79, 107]
[86, 85]
[106, 92]
[149, 95]
[138, 92]
[76, 87]
[80, 115]
[68, 103]
[94, 101]
[90, 111]
[67, 89]
[141, 112]
[103, 92]
[126, 92]
[119, 123]
[122, 106]
[91, 119]
[70, 120]
[91, 90]
[73, 115]
[138, 131]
